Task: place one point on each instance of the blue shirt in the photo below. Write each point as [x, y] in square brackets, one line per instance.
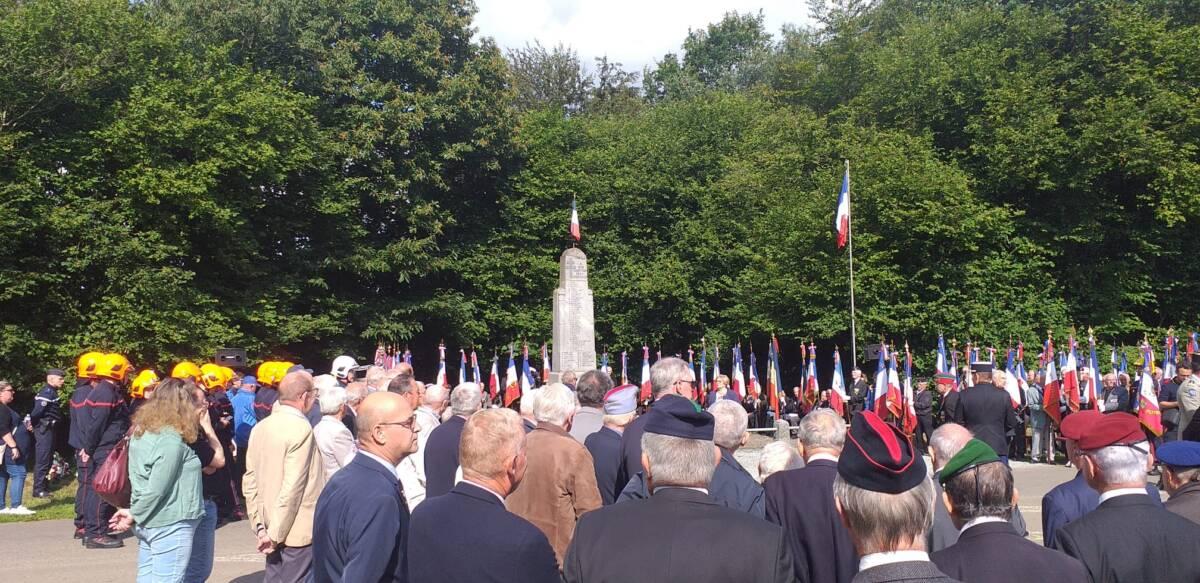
[243, 417]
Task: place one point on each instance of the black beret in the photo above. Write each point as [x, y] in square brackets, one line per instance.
[56, 371]
[879, 457]
[678, 417]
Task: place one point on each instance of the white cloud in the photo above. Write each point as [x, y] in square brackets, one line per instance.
[635, 33]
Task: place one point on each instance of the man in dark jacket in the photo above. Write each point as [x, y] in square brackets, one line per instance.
[631, 439]
[923, 404]
[99, 419]
[441, 451]
[980, 495]
[620, 407]
[987, 411]
[44, 418]
[801, 501]
[1181, 476]
[466, 534]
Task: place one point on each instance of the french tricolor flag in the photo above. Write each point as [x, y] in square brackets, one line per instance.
[645, 392]
[1070, 378]
[841, 223]
[574, 221]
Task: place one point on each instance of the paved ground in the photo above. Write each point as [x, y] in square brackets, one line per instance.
[44, 551]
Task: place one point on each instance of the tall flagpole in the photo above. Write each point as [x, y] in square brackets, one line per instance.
[850, 241]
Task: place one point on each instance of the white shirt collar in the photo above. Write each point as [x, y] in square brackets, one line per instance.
[485, 489]
[704, 490]
[393, 469]
[980, 520]
[877, 559]
[1121, 492]
[822, 456]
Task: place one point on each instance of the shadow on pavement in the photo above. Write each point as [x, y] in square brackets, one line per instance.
[251, 578]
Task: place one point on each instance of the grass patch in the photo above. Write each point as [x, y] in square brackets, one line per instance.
[60, 504]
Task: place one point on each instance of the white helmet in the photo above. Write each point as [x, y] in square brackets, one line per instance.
[342, 366]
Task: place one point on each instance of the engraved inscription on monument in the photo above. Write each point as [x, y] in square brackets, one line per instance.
[574, 318]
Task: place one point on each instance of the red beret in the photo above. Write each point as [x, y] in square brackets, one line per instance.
[1077, 424]
[1112, 429]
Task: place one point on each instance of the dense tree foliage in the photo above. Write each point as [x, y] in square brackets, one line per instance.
[307, 177]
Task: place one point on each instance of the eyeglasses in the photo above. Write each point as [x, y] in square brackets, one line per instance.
[405, 424]
[688, 382]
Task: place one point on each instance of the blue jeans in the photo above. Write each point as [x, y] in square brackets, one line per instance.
[12, 479]
[163, 551]
[199, 567]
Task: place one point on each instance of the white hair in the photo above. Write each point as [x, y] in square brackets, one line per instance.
[466, 399]
[778, 456]
[678, 461]
[664, 372]
[730, 423]
[946, 441]
[434, 394]
[823, 429]
[555, 405]
[331, 399]
[528, 401]
[1121, 464]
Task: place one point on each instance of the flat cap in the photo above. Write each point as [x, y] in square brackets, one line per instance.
[677, 417]
[56, 372]
[1113, 429]
[1180, 454]
[621, 400]
[879, 457]
[974, 454]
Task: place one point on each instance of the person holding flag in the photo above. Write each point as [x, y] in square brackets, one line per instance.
[1051, 388]
[812, 390]
[753, 401]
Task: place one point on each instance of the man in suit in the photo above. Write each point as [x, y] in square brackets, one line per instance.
[560, 483]
[947, 441]
[590, 389]
[923, 405]
[441, 451]
[980, 497]
[948, 406]
[987, 411]
[668, 536]
[1070, 501]
[631, 439]
[1127, 537]
[284, 477]
[620, 408]
[360, 532]
[801, 501]
[858, 390]
[1181, 476]
[884, 497]
[467, 536]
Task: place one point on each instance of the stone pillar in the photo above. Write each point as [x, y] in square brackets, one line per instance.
[574, 317]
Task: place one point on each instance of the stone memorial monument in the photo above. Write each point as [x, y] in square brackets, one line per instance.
[574, 318]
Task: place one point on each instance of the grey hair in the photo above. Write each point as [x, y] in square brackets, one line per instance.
[528, 402]
[823, 429]
[434, 394]
[1121, 464]
[730, 420]
[678, 461]
[985, 490]
[665, 372]
[466, 399]
[880, 522]
[947, 440]
[556, 404]
[778, 456]
[331, 398]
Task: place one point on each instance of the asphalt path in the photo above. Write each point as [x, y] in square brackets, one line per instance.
[45, 552]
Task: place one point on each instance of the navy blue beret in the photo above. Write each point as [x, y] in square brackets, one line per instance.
[1179, 454]
[678, 417]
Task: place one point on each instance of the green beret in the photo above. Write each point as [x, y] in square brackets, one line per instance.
[974, 454]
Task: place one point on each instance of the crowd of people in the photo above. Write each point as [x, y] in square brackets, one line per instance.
[366, 474]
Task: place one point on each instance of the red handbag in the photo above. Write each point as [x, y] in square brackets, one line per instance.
[111, 481]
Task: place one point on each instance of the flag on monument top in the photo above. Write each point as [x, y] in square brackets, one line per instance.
[716, 366]
[1012, 380]
[575, 234]
[1169, 357]
[910, 407]
[702, 388]
[512, 385]
[812, 389]
[739, 378]
[943, 374]
[773, 378]
[441, 373]
[545, 365]
[645, 392]
[493, 385]
[1070, 377]
[475, 369]
[1149, 412]
[527, 382]
[1051, 390]
[1093, 388]
[838, 396]
[881, 382]
[752, 387]
[624, 367]
[462, 366]
[841, 221]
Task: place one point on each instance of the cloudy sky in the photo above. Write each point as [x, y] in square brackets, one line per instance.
[633, 32]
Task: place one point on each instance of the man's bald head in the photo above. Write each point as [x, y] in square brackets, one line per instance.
[946, 441]
[381, 420]
[295, 385]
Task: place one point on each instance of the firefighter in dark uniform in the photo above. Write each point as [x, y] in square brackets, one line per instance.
[43, 419]
[99, 420]
[269, 375]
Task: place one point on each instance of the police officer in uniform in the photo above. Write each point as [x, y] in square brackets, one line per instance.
[45, 416]
[987, 411]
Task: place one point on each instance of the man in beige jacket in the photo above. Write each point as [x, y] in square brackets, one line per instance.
[560, 481]
[284, 477]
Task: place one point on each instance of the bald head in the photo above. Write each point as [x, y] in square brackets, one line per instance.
[381, 426]
[946, 441]
[295, 385]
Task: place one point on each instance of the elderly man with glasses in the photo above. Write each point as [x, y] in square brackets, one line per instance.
[668, 376]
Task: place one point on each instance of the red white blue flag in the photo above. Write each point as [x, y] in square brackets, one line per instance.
[494, 378]
[752, 387]
[841, 222]
[545, 365]
[441, 373]
[1052, 390]
[1149, 412]
[512, 385]
[462, 366]
[739, 378]
[645, 392]
[1070, 377]
[574, 221]
[838, 396]
[1170, 355]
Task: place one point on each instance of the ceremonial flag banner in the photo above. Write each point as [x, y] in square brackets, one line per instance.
[739, 378]
[910, 408]
[1012, 382]
[752, 387]
[716, 366]
[475, 368]
[954, 367]
[692, 365]
[841, 222]
[1169, 357]
[1149, 412]
[441, 373]
[380, 355]
[1070, 377]
[526, 374]
[545, 365]
[1051, 391]
[773, 379]
[604, 362]
[812, 389]
[645, 392]
[895, 395]
[1193, 347]
[624, 367]
[462, 366]
[972, 356]
[881, 382]
[702, 388]
[944, 375]
[512, 385]
[1093, 388]
[494, 378]
[575, 233]
[838, 396]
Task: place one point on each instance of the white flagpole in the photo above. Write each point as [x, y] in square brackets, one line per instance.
[850, 242]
